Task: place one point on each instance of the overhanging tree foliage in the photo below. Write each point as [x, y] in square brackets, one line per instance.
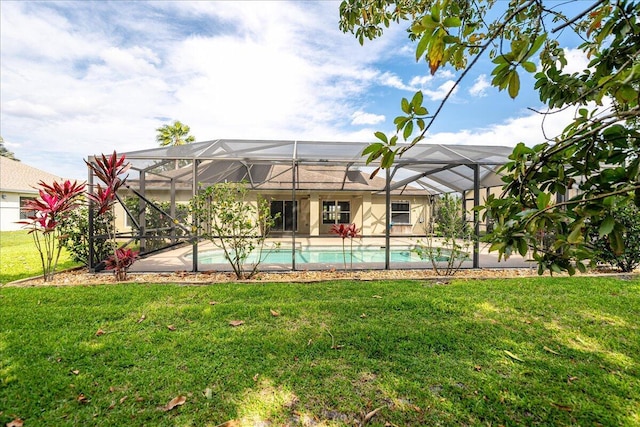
[597, 154]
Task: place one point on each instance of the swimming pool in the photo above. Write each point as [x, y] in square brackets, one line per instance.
[320, 255]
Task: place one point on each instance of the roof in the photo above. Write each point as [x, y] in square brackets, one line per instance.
[435, 168]
[18, 177]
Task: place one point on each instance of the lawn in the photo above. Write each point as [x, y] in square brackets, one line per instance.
[19, 257]
[538, 351]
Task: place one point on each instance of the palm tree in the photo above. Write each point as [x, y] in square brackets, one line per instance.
[176, 134]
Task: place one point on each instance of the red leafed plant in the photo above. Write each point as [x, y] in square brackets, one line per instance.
[121, 260]
[109, 170]
[346, 231]
[55, 201]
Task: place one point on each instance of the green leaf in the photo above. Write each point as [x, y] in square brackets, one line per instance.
[576, 234]
[543, 199]
[421, 111]
[452, 21]
[422, 45]
[616, 241]
[372, 148]
[428, 22]
[514, 84]
[607, 226]
[417, 99]
[408, 130]
[529, 66]
[522, 247]
[381, 136]
[404, 104]
[537, 43]
[387, 159]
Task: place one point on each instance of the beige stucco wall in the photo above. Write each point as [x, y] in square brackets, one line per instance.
[367, 211]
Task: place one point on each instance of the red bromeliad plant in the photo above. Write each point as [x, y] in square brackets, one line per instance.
[54, 204]
[344, 231]
[109, 171]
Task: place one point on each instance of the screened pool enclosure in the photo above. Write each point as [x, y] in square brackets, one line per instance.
[312, 185]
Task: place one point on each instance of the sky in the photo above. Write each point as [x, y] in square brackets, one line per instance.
[79, 78]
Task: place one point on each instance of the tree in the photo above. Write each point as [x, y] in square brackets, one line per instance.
[629, 216]
[597, 154]
[222, 214]
[449, 246]
[6, 153]
[55, 203]
[176, 134]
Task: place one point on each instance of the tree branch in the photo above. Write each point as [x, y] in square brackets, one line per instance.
[571, 21]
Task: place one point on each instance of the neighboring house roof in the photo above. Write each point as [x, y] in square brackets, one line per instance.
[17, 177]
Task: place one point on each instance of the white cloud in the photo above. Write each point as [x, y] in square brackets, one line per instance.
[423, 83]
[362, 118]
[577, 61]
[479, 88]
[531, 128]
[441, 91]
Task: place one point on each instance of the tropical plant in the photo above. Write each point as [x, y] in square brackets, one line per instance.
[109, 170]
[628, 215]
[121, 260]
[54, 204]
[346, 231]
[598, 153]
[74, 234]
[175, 134]
[222, 215]
[452, 242]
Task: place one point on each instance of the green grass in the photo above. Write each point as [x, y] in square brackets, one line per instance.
[20, 259]
[541, 351]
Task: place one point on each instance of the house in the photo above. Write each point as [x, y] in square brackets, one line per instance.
[18, 183]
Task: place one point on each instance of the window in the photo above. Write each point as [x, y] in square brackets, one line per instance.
[335, 212]
[287, 220]
[400, 212]
[26, 213]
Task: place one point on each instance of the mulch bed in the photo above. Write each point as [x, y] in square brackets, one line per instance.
[82, 277]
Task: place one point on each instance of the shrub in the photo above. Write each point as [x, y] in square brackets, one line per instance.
[628, 215]
[222, 215]
[159, 228]
[74, 231]
[451, 247]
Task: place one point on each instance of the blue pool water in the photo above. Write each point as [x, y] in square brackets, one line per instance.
[317, 255]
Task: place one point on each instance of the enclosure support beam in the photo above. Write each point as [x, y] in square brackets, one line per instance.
[142, 220]
[91, 230]
[294, 166]
[387, 220]
[172, 210]
[476, 216]
[194, 191]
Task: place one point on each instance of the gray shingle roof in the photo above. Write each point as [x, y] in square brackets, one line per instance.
[18, 177]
